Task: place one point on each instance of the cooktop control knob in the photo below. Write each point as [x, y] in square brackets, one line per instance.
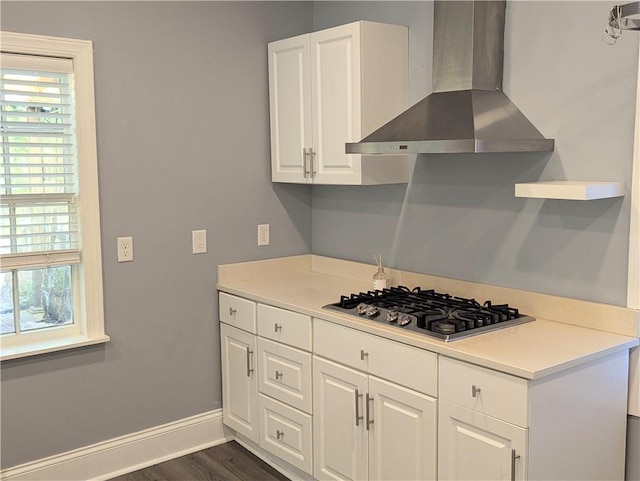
[371, 311]
[404, 319]
[361, 308]
[392, 316]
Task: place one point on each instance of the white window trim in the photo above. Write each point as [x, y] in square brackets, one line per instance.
[89, 328]
[633, 278]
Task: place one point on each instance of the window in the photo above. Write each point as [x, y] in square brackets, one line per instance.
[51, 274]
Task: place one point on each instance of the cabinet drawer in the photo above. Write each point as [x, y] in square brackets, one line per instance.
[285, 374]
[376, 355]
[237, 312]
[286, 433]
[484, 390]
[284, 326]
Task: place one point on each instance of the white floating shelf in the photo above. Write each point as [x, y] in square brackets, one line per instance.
[571, 190]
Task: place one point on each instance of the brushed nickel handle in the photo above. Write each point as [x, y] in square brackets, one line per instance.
[279, 375]
[232, 311]
[279, 434]
[358, 417]
[363, 354]
[312, 170]
[368, 412]
[514, 456]
[305, 157]
[475, 390]
[249, 369]
[277, 327]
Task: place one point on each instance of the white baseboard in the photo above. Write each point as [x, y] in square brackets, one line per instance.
[127, 453]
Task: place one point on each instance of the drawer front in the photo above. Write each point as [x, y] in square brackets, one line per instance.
[342, 344]
[237, 312]
[284, 326]
[286, 433]
[376, 355]
[405, 365]
[484, 390]
[285, 374]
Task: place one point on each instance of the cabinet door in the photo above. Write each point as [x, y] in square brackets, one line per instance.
[339, 433]
[290, 108]
[239, 381]
[402, 437]
[336, 102]
[472, 445]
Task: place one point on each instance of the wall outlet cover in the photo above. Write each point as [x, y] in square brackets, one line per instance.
[199, 241]
[125, 249]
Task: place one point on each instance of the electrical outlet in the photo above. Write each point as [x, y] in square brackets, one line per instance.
[263, 234]
[199, 241]
[125, 249]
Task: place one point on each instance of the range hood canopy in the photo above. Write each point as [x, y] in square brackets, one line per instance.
[468, 112]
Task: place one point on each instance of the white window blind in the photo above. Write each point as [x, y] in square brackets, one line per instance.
[38, 181]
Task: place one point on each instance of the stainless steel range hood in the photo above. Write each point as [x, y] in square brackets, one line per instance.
[468, 112]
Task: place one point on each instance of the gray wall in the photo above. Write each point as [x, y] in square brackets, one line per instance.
[458, 216]
[183, 144]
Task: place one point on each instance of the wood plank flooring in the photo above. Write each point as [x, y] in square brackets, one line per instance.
[226, 462]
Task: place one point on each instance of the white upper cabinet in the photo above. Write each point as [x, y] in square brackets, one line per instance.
[335, 86]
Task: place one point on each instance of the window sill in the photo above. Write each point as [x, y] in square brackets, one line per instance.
[17, 352]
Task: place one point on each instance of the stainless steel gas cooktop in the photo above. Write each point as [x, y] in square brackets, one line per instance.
[428, 312]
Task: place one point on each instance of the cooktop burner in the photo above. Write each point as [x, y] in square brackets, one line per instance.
[429, 312]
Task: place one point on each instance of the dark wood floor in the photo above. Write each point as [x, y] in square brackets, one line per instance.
[226, 462]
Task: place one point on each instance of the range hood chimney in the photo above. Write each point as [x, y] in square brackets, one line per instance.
[468, 112]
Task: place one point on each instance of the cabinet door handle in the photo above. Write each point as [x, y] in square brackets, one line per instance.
[279, 434]
[312, 170]
[305, 161]
[249, 370]
[475, 390]
[363, 354]
[358, 417]
[514, 456]
[232, 311]
[279, 375]
[368, 413]
[277, 327]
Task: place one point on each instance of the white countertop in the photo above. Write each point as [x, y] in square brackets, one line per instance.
[531, 350]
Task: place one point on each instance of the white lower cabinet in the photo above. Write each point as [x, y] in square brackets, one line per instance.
[472, 445]
[567, 425]
[333, 403]
[369, 428]
[239, 381]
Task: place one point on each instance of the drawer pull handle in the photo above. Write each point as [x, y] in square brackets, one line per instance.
[475, 390]
[279, 375]
[278, 327]
[232, 311]
[249, 369]
[514, 456]
[358, 417]
[368, 413]
[279, 434]
[363, 354]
